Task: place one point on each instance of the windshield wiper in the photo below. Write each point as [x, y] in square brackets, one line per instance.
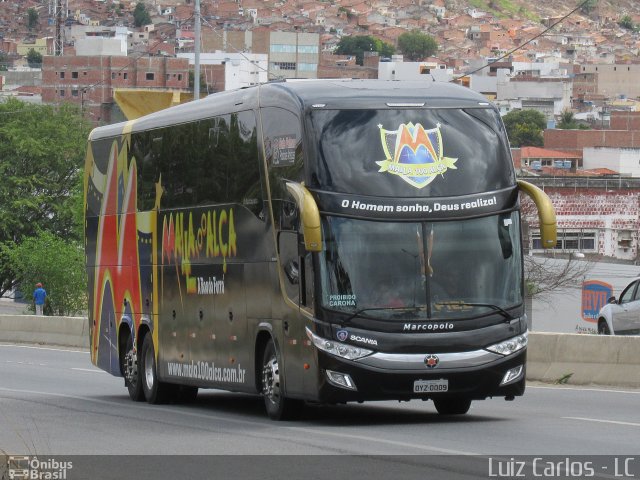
[498, 309]
[385, 309]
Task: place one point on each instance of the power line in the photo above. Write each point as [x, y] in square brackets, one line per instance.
[580, 5]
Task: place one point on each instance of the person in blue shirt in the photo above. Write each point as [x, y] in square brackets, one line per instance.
[39, 296]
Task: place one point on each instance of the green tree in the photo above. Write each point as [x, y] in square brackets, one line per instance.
[57, 263]
[41, 158]
[141, 15]
[204, 87]
[587, 6]
[416, 45]
[358, 44]
[34, 59]
[4, 62]
[524, 127]
[32, 18]
[626, 22]
[568, 122]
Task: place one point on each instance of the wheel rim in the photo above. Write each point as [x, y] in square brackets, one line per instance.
[271, 380]
[131, 366]
[149, 374]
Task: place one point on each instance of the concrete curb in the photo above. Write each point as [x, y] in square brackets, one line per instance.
[62, 331]
[586, 359]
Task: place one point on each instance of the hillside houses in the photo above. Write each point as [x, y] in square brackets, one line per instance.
[587, 64]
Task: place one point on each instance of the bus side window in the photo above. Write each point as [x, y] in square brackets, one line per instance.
[284, 158]
[504, 222]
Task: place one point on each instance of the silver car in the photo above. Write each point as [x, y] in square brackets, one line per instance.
[622, 316]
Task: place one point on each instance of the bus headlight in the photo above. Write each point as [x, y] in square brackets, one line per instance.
[510, 346]
[336, 348]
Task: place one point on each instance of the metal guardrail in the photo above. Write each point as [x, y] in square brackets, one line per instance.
[608, 183]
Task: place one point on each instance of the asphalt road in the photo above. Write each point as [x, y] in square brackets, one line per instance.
[53, 402]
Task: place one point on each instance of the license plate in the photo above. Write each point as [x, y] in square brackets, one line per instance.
[430, 386]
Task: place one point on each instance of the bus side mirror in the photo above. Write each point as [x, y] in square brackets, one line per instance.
[546, 213]
[292, 271]
[309, 215]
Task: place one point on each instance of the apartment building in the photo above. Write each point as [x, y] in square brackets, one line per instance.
[90, 80]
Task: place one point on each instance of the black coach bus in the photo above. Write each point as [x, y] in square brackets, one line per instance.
[320, 241]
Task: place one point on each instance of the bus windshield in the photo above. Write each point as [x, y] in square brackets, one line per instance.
[421, 270]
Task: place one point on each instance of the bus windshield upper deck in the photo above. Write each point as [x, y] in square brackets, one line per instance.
[440, 152]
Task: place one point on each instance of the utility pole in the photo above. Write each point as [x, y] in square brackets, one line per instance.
[59, 15]
[196, 69]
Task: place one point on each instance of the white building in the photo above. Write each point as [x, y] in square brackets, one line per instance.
[549, 96]
[100, 46]
[397, 69]
[625, 161]
[240, 69]
[294, 55]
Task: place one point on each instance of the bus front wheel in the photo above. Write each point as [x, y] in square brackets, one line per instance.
[452, 406]
[277, 405]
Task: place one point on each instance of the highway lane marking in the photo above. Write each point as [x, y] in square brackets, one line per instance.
[586, 389]
[43, 348]
[91, 370]
[26, 363]
[130, 406]
[384, 441]
[598, 420]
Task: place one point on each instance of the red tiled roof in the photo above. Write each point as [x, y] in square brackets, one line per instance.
[599, 171]
[536, 152]
[561, 172]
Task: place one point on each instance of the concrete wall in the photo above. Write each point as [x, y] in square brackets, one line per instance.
[14, 79]
[588, 359]
[64, 331]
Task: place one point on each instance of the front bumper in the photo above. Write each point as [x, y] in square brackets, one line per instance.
[474, 375]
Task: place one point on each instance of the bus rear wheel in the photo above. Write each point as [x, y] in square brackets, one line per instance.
[131, 371]
[277, 405]
[155, 391]
[452, 406]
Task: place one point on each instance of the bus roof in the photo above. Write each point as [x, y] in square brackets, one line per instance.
[355, 93]
[303, 94]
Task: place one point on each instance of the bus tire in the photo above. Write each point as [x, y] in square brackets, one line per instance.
[155, 391]
[278, 406]
[131, 371]
[452, 406]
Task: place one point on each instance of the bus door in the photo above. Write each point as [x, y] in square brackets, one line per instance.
[292, 321]
[297, 277]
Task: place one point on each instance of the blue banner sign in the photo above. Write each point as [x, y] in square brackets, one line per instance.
[594, 296]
